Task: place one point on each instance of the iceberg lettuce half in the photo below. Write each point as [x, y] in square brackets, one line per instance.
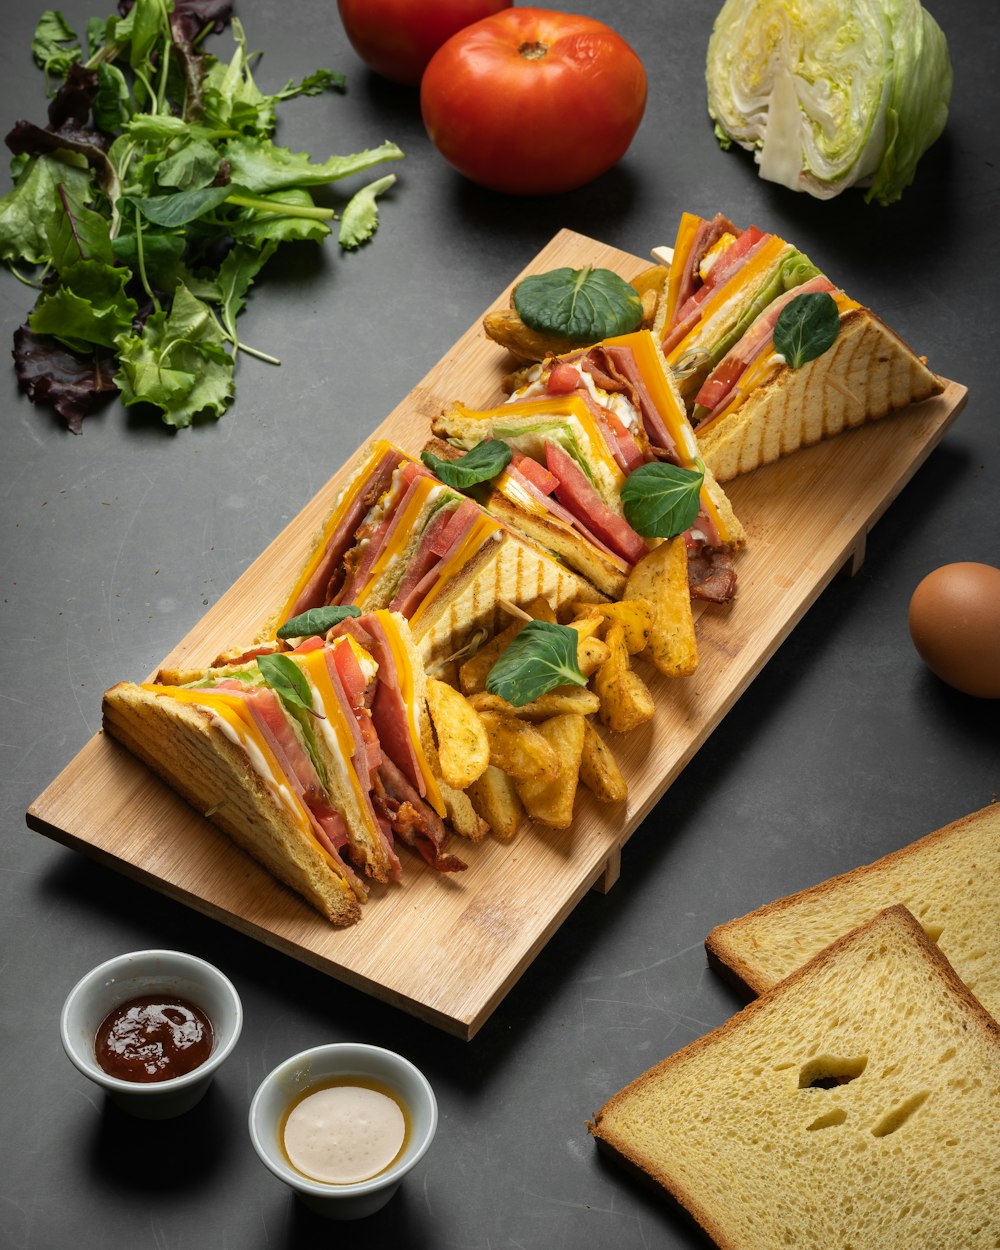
[830, 93]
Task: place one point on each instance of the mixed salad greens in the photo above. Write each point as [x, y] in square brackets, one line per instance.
[151, 201]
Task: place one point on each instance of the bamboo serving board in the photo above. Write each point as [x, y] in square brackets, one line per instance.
[448, 948]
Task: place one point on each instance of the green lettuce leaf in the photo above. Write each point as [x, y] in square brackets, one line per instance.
[26, 210]
[89, 306]
[179, 362]
[261, 166]
[830, 94]
[359, 219]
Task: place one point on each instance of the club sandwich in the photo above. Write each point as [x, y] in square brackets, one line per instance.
[748, 403]
[318, 762]
[579, 424]
[399, 539]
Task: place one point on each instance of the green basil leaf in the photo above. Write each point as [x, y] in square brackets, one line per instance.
[584, 305]
[807, 326]
[662, 500]
[287, 680]
[482, 463]
[541, 657]
[317, 621]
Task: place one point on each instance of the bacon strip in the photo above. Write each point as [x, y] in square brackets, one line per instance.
[411, 819]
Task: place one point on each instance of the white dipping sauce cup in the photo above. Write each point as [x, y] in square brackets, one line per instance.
[140, 974]
[311, 1068]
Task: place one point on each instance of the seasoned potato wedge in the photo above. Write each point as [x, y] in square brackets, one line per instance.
[551, 801]
[463, 747]
[462, 814]
[518, 749]
[625, 701]
[495, 799]
[661, 577]
[590, 655]
[636, 615]
[599, 769]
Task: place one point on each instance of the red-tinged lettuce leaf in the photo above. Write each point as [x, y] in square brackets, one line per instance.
[73, 100]
[25, 138]
[191, 17]
[75, 386]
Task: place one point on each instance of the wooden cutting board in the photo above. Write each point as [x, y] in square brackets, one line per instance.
[447, 949]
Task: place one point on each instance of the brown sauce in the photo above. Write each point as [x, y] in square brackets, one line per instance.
[153, 1039]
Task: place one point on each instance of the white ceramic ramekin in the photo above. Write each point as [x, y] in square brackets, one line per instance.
[314, 1067]
[135, 975]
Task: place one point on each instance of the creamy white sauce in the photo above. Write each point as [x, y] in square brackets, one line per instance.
[344, 1134]
[281, 792]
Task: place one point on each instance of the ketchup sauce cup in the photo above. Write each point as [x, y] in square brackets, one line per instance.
[144, 974]
[338, 1064]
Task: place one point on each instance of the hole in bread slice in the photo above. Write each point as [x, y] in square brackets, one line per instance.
[898, 1116]
[829, 1120]
[828, 1071]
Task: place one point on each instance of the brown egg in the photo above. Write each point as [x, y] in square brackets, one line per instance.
[954, 622]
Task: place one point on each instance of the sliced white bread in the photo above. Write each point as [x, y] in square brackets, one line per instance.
[851, 1107]
[867, 373]
[184, 745]
[950, 880]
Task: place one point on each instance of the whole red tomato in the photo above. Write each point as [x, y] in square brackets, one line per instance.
[396, 38]
[532, 101]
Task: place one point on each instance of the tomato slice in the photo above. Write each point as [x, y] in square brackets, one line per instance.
[576, 494]
[563, 379]
[537, 474]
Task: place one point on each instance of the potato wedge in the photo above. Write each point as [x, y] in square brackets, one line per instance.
[551, 802]
[636, 615]
[506, 328]
[599, 769]
[661, 577]
[590, 655]
[518, 749]
[463, 747]
[462, 814]
[587, 620]
[495, 799]
[625, 701]
[560, 702]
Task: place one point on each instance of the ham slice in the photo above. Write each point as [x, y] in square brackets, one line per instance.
[327, 573]
[719, 386]
[388, 709]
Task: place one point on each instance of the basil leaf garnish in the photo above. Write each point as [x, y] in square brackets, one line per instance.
[583, 305]
[541, 657]
[482, 463]
[286, 679]
[317, 621]
[662, 500]
[807, 326]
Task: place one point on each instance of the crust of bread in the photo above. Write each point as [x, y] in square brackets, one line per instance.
[509, 570]
[736, 1128]
[949, 879]
[182, 745]
[565, 543]
[867, 373]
